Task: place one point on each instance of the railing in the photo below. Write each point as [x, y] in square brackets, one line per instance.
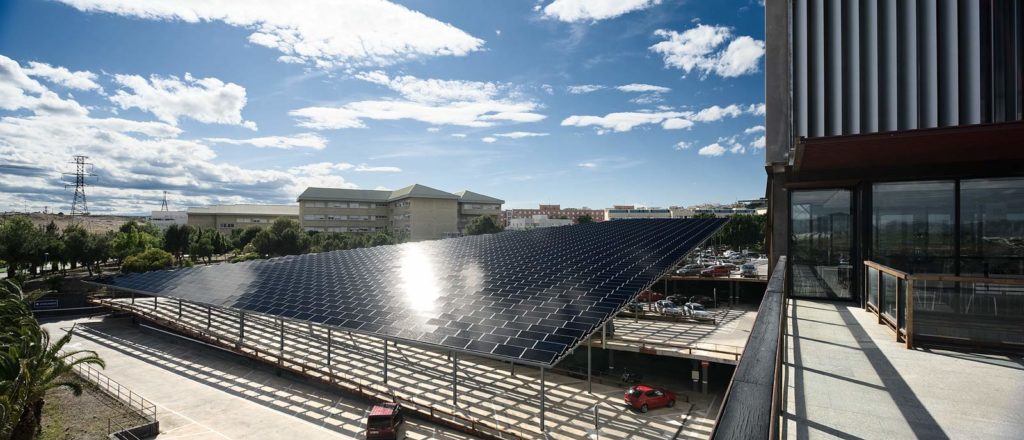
[137, 405]
[751, 406]
[947, 309]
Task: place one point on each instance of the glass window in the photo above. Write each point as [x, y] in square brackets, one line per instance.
[913, 226]
[992, 227]
[819, 243]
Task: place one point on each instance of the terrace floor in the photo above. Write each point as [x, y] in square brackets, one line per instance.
[846, 377]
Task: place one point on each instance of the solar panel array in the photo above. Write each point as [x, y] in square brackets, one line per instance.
[526, 296]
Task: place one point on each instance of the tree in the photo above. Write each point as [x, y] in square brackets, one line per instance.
[283, 237]
[150, 259]
[31, 364]
[177, 239]
[76, 245]
[131, 241]
[744, 231]
[100, 249]
[586, 218]
[20, 244]
[52, 246]
[241, 237]
[485, 224]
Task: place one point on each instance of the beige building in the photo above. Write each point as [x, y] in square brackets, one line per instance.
[424, 213]
[226, 218]
[621, 212]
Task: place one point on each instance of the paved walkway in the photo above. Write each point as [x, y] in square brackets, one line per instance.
[846, 377]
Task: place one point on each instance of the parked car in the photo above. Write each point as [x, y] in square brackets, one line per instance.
[736, 260]
[383, 421]
[696, 311]
[705, 301]
[660, 306]
[716, 271]
[673, 311]
[690, 269]
[634, 307]
[678, 299]
[646, 397]
[650, 295]
[748, 271]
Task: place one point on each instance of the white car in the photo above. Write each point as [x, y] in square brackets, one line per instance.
[696, 311]
[673, 311]
[660, 306]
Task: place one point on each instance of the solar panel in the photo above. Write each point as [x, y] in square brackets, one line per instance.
[525, 296]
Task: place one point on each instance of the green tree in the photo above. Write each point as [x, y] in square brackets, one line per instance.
[100, 249]
[131, 241]
[283, 237]
[586, 218]
[31, 364]
[150, 259]
[484, 224]
[744, 231]
[53, 247]
[242, 237]
[76, 245]
[177, 239]
[20, 244]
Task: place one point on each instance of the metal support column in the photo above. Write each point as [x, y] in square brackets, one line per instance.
[280, 356]
[455, 382]
[209, 317]
[590, 385]
[241, 328]
[133, 297]
[604, 336]
[385, 361]
[704, 377]
[512, 368]
[155, 303]
[542, 392]
[328, 349]
[179, 309]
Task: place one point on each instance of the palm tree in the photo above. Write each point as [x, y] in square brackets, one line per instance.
[30, 364]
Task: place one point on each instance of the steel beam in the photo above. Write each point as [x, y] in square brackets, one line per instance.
[455, 382]
[385, 361]
[590, 385]
[542, 393]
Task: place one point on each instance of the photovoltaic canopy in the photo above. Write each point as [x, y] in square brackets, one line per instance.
[524, 296]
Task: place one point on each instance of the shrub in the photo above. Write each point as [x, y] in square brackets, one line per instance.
[55, 283]
[150, 259]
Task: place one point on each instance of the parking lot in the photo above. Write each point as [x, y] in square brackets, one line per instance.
[490, 392]
[721, 342]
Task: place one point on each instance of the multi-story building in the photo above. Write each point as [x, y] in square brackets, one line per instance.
[621, 212]
[725, 211]
[164, 219]
[554, 212]
[894, 146]
[537, 221]
[422, 212]
[226, 218]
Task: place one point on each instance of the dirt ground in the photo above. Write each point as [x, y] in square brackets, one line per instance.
[92, 223]
[67, 417]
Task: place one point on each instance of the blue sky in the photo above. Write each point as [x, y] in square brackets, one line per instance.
[579, 103]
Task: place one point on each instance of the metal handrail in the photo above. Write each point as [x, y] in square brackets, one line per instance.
[136, 404]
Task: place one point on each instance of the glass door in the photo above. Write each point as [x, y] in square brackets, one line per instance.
[821, 243]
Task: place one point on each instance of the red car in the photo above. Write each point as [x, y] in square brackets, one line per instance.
[383, 421]
[716, 271]
[650, 295]
[646, 397]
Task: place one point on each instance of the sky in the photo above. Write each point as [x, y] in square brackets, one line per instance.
[572, 102]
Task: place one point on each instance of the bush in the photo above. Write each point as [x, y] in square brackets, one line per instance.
[244, 257]
[150, 259]
[55, 283]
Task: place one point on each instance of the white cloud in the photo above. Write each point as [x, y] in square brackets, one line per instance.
[135, 160]
[326, 33]
[433, 129]
[434, 101]
[670, 120]
[593, 10]
[737, 148]
[682, 145]
[584, 88]
[489, 140]
[368, 169]
[700, 48]
[754, 129]
[712, 150]
[587, 165]
[459, 135]
[207, 100]
[643, 88]
[758, 143]
[78, 80]
[520, 134]
[677, 124]
[756, 109]
[301, 140]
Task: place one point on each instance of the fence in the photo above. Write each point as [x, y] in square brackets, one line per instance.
[136, 405]
[940, 309]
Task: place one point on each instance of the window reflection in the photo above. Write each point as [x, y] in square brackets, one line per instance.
[913, 226]
[992, 227]
[820, 244]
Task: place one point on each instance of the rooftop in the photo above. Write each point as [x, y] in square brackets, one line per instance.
[374, 195]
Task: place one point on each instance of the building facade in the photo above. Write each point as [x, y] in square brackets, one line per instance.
[622, 212]
[894, 132]
[226, 218]
[554, 212]
[537, 221]
[422, 212]
[164, 219]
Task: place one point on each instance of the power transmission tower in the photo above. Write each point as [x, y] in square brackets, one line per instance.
[79, 205]
[163, 205]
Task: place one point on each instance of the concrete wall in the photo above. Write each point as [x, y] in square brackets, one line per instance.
[379, 216]
[432, 218]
